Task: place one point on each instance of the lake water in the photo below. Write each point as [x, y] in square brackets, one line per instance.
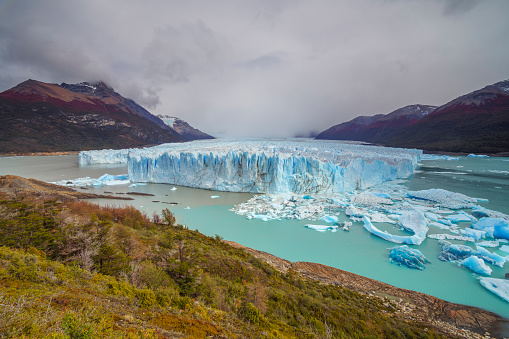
[356, 251]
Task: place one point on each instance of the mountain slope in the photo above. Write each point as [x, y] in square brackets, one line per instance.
[378, 127]
[477, 122]
[183, 128]
[41, 117]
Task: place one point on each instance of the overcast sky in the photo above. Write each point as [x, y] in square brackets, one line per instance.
[261, 67]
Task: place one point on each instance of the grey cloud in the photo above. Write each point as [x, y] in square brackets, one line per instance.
[261, 67]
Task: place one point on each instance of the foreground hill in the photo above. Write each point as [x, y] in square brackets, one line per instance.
[41, 117]
[477, 122]
[72, 269]
[377, 128]
[183, 128]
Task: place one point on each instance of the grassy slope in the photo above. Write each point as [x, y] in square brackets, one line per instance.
[80, 271]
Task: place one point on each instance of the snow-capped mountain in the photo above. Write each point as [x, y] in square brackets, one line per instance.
[183, 128]
[37, 116]
[378, 127]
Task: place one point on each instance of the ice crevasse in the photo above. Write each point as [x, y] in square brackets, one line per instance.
[264, 166]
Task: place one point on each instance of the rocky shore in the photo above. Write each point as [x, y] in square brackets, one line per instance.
[451, 319]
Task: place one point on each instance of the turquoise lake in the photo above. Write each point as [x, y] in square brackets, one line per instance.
[356, 251]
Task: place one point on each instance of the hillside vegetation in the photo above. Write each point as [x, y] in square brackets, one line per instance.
[75, 270]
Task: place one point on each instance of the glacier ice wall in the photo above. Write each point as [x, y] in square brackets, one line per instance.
[265, 166]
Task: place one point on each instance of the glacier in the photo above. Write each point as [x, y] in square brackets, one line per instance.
[264, 166]
[409, 257]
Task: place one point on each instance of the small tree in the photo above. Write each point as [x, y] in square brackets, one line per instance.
[168, 217]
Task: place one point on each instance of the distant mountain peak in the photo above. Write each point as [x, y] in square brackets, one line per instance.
[183, 128]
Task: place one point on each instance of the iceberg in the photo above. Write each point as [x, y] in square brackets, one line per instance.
[415, 239]
[409, 257]
[322, 228]
[480, 212]
[104, 180]
[492, 258]
[504, 248]
[472, 155]
[476, 264]
[454, 252]
[474, 234]
[498, 286]
[263, 166]
[494, 227]
[444, 198]
[460, 217]
[329, 218]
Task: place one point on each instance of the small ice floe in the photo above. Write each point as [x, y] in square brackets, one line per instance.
[408, 257]
[476, 264]
[488, 243]
[481, 212]
[346, 225]
[504, 248]
[188, 208]
[104, 180]
[214, 196]
[322, 228]
[443, 236]
[415, 239]
[173, 188]
[444, 198]
[472, 155]
[474, 234]
[460, 217]
[498, 286]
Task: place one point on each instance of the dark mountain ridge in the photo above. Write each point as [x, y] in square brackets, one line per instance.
[477, 122]
[377, 127]
[41, 117]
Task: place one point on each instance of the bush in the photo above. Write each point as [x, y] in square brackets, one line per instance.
[146, 297]
[75, 329]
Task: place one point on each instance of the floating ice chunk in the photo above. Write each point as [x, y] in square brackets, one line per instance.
[471, 155]
[443, 236]
[409, 257]
[414, 221]
[460, 217]
[504, 248]
[431, 216]
[492, 258]
[437, 157]
[480, 212]
[476, 264]
[382, 195]
[353, 211]
[444, 198]
[498, 286]
[173, 189]
[322, 228]
[329, 218]
[415, 239]
[214, 196]
[454, 252]
[488, 243]
[380, 217]
[494, 227]
[188, 208]
[440, 225]
[369, 199]
[474, 234]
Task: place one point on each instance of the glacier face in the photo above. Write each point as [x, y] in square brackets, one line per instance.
[264, 166]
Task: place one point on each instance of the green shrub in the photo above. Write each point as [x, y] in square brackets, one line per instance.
[146, 297]
[75, 328]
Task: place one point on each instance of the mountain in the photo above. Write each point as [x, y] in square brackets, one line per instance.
[477, 122]
[183, 128]
[41, 117]
[378, 127]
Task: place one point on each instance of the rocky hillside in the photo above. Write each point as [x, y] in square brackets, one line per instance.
[377, 128]
[111, 272]
[477, 122]
[183, 128]
[42, 117]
